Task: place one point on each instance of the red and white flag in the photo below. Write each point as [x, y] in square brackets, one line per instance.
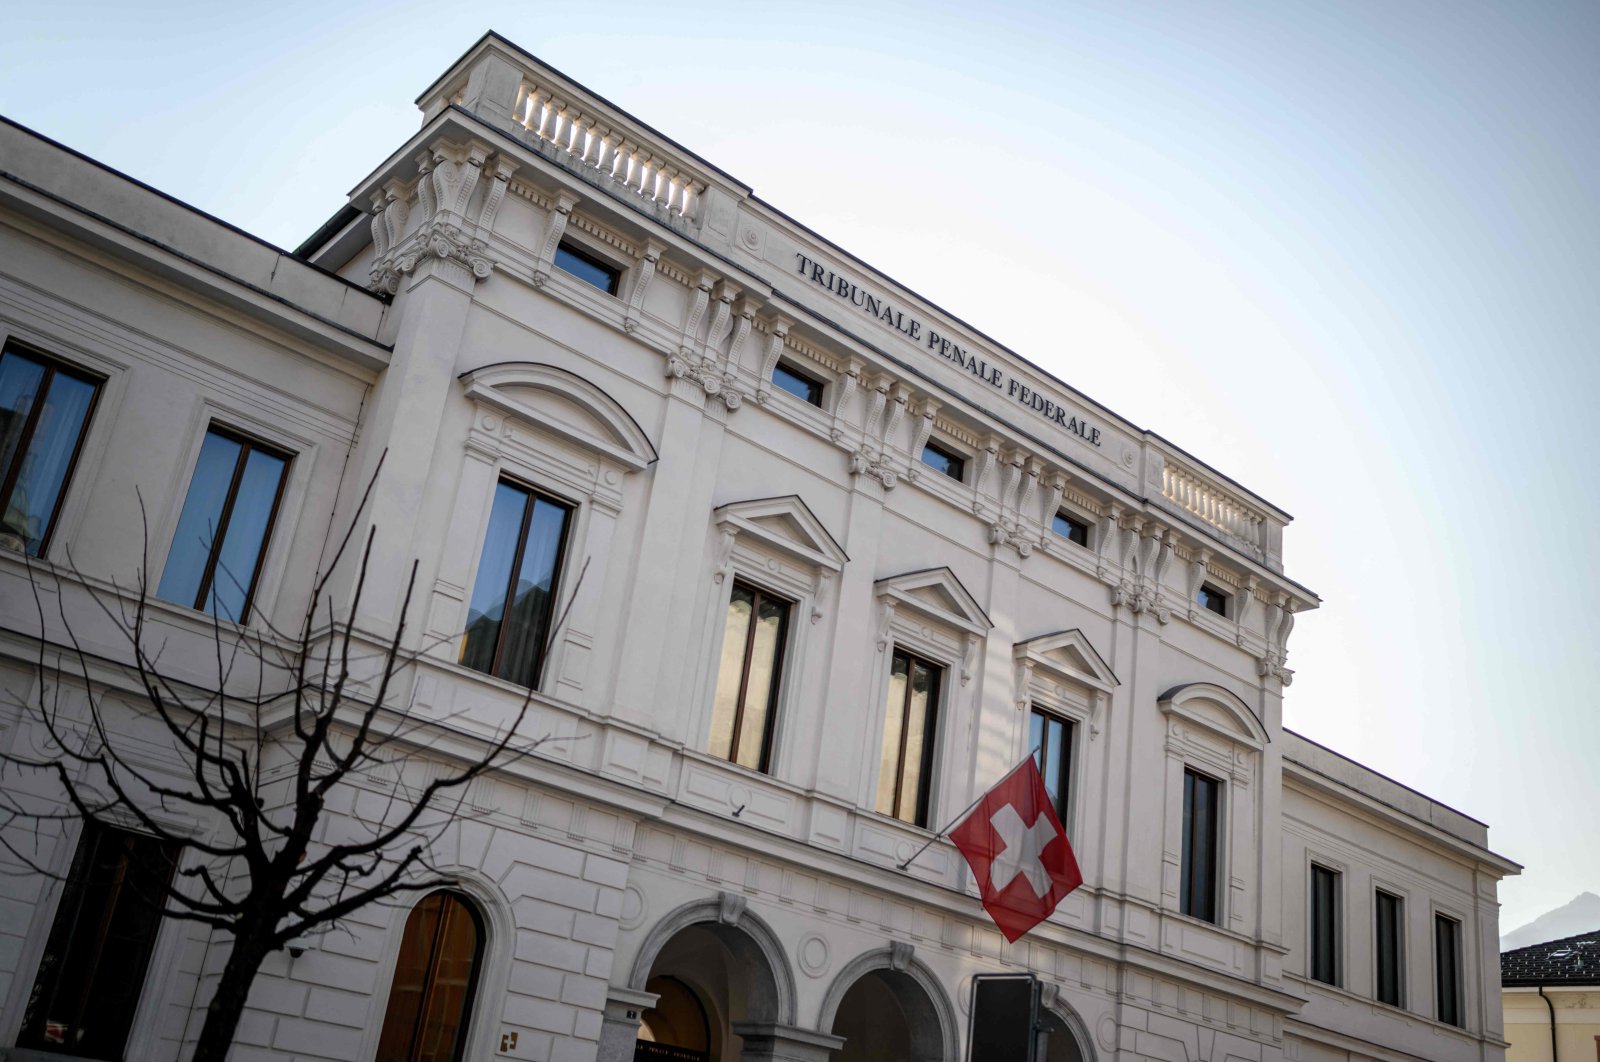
[1018, 851]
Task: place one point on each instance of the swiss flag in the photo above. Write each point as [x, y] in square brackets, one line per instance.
[1018, 851]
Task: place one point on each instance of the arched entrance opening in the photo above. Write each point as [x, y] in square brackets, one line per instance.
[1062, 1045]
[708, 975]
[886, 1014]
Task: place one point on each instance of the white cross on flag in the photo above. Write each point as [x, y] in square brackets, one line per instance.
[1018, 851]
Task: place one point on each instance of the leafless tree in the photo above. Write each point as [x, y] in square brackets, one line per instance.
[316, 728]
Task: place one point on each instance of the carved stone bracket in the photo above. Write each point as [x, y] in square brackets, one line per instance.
[644, 272]
[553, 231]
[447, 175]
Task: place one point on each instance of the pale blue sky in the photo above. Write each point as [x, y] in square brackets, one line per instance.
[1345, 252]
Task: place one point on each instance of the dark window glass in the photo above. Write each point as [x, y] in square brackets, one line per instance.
[1447, 969]
[587, 268]
[508, 622]
[435, 975]
[1324, 925]
[797, 383]
[1050, 737]
[1071, 529]
[44, 412]
[937, 457]
[1202, 807]
[905, 772]
[1213, 599]
[223, 530]
[747, 684]
[99, 947]
[1389, 931]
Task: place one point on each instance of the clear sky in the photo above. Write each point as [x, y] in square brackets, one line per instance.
[1346, 252]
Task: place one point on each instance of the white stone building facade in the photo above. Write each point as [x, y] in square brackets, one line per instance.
[538, 294]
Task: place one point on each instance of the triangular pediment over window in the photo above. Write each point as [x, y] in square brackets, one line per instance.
[1068, 654]
[786, 524]
[1216, 709]
[938, 594]
[565, 404]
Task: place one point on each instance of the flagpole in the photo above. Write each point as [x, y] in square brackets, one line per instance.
[958, 818]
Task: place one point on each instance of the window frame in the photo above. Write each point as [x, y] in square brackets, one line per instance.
[933, 730]
[480, 922]
[588, 257]
[775, 696]
[1457, 973]
[1211, 591]
[248, 440]
[1217, 845]
[949, 453]
[1073, 518]
[1378, 893]
[1335, 929]
[8, 477]
[547, 649]
[1065, 801]
[160, 945]
[788, 366]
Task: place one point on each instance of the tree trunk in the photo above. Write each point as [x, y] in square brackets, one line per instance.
[227, 1005]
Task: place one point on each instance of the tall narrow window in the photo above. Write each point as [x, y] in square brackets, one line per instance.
[747, 684]
[1389, 924]
[905, 773]
[1050, 737]
[1324, 925]
[435, 976]
[1202, 809]
[99, 947]
[226, 521]
[44, 413]
[508, 622]
[1447, 969]
[587, 268]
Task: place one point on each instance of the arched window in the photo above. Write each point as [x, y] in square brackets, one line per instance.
[434, 978]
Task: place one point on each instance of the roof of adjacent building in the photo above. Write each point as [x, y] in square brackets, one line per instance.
[1568, 961]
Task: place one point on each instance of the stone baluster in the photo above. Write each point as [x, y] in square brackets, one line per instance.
[691, 200]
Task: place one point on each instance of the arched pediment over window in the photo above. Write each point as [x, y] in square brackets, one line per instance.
[563, 403]
[1216, 709]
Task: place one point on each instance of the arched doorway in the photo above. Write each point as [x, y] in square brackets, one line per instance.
[889, 1008]
[711, 967]
[435, 978]
[1062, 1045]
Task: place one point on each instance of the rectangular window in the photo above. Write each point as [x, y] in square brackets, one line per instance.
[1212, 599]
[98, 951]
[44, 414]
[587, 268]
[938, 458]
[224, 527]
[1324, 925]
[1389, 923]
[905, 773]
[1447, 969]
[747, 684]
[803, 386]
[1071, 529]
[1050, 736]
[513, 600]
[1202, 810]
